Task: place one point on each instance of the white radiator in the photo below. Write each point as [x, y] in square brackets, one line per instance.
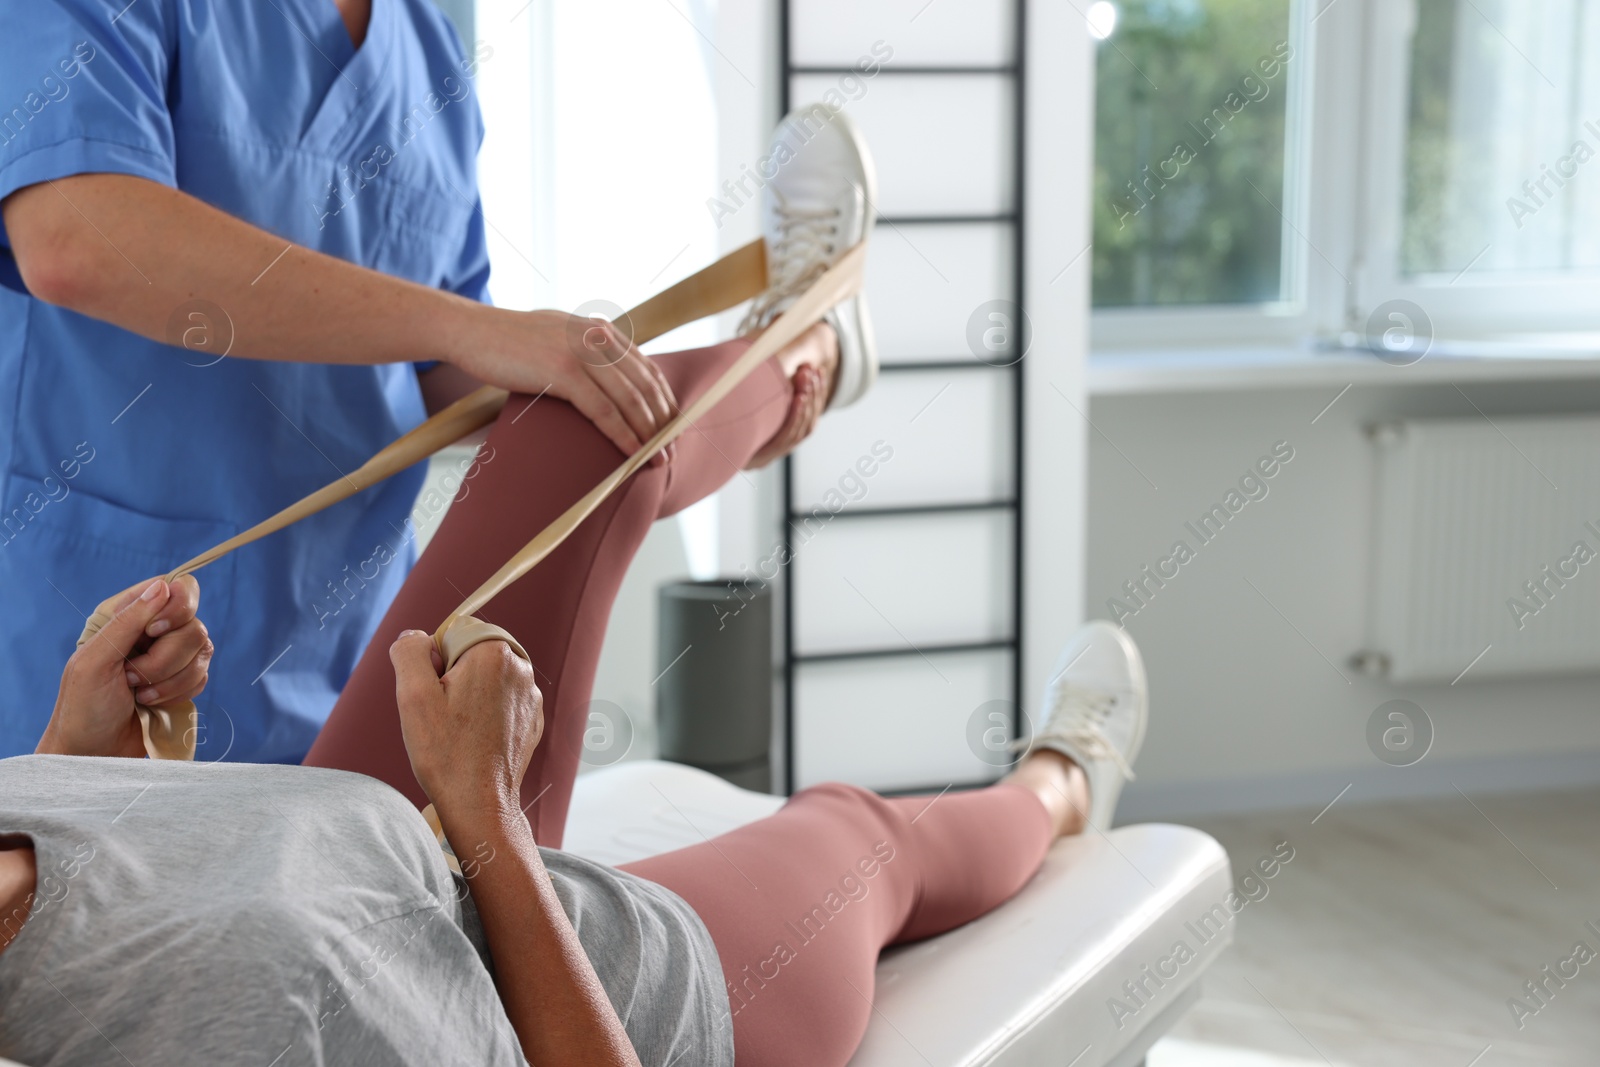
[1486, 548]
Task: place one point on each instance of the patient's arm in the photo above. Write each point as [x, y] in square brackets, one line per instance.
[470, 735]
[154, 649]
[18, 876]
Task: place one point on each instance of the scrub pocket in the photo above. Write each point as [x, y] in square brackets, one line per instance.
[91, 548]
[424, 232]
[63, 551]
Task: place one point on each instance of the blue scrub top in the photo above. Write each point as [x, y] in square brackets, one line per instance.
[121, 457]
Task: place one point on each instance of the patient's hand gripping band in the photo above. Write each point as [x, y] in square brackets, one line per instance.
[170, 731]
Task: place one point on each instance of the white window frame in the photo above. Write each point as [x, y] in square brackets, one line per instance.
[1343, 204]
[1476, 305]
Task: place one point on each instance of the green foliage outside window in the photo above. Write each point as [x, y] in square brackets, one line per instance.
[1189, 153]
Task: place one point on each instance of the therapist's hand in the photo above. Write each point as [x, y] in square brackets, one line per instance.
[154, 650]
[470, 733]
[589, 363]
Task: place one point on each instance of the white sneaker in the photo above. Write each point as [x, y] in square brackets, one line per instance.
[1096, 707]
[818, 206]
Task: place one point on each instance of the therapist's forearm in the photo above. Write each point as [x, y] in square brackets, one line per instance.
[132, 252]
[138, 254]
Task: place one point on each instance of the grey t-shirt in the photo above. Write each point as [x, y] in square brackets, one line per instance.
[288, 916]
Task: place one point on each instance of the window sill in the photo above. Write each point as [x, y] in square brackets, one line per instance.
[1125, 372]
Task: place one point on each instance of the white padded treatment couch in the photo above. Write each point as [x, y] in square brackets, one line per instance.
[1028, 985]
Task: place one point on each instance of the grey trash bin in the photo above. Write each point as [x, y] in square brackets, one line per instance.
[714, 695]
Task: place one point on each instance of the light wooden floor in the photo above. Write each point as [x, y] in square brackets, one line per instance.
[1398, 932]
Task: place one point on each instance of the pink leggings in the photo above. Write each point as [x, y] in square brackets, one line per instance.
[799, 904]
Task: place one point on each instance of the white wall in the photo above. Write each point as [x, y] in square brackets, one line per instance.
[609, 126]
[1059, 128]
[745, 88]
[1245, 712]
[739, 524]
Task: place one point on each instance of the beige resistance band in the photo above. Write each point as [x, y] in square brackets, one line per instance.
[170, 732]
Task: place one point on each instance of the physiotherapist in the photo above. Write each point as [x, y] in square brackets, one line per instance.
[242, 251]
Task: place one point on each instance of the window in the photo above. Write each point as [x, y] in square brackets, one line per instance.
[1189, 153]
[1281, 169]
[1499, 138]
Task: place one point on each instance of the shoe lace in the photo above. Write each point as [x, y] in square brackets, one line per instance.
[808, 240]
[1077, 717]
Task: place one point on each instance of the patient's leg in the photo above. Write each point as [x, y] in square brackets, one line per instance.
[540, 458]
[800, 904]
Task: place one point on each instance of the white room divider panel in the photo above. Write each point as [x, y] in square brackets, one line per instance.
[958, 449]
[951, 33]
[904, 599]
[945, 143]
[924, 279]
[908, 580]
[900, 725]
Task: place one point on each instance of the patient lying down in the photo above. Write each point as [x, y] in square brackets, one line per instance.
[174, 913]
[161, 912]
[210, 913]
